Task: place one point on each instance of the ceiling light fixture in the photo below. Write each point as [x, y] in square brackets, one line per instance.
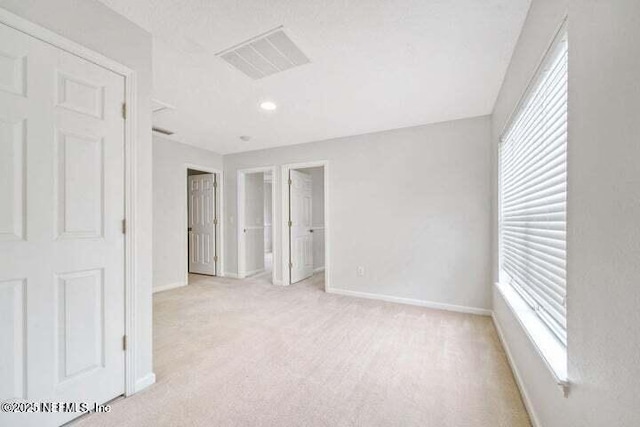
[268, 106]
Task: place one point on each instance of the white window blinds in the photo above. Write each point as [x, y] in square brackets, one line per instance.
[533, 193]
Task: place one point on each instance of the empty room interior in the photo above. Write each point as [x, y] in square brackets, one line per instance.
[320, 213]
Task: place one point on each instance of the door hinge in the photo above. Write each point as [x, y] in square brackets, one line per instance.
[215, 258]
[124, 226]
[124, 110]
[124, 343]
[290, 223]
[215, 221]
[215, 184]
[289, 181]
[290, 265]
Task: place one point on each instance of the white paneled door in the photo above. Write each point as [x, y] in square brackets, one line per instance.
[61, 229]
[202, 224]
[300, 237]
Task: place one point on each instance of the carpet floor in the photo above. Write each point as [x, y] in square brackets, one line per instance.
[247, 353]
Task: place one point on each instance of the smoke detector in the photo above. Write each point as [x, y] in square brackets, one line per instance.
[264, 55]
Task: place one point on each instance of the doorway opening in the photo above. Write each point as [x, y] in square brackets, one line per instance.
[203, 209]
[305, 243]
[256, 211]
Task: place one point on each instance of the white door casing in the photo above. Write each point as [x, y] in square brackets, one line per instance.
[62, 247]
[300, 237]
[202, 224]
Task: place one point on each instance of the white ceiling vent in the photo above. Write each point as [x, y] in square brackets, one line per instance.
[157, 106]
[264, 55]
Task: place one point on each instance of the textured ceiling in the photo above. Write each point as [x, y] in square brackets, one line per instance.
[375, 65]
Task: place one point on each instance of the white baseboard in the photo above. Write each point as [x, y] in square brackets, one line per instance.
[516, 373]
[231, 275]
[318, 269]
[254, 272]
[145, 381]
[169, 286]
[410, 301]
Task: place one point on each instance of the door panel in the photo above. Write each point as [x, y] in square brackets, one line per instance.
[12, 172]
[301, 242]
[202, 227]
[79, 176]
[12, 340]
[80, 308]
[61, 240]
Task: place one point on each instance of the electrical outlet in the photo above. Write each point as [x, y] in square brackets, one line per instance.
[360, 270]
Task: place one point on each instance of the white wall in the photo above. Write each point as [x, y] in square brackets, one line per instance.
[101, 29]
[169, 205]
[603, 302]
[413, 206]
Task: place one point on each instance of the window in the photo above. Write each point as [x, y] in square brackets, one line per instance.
[533, 193]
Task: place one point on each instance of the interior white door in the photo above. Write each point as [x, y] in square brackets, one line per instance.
[300, 237]
[202, 224]
[61, 229]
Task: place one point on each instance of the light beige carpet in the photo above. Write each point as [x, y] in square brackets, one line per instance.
[246, 353]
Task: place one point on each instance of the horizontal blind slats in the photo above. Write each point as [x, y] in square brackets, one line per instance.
[552, 296]
[551, 209]
[549, 261]
[544, 147]
[557, 312]
[553, 171]
[533, 194]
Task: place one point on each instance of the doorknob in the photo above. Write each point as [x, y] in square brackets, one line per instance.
[189, 229]
[311, 231]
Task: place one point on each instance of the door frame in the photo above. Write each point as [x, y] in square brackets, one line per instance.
[240, 215]
[284, 223]
[219, 211]
[130, 170]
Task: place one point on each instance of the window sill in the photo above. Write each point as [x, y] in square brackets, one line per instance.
[552, 351]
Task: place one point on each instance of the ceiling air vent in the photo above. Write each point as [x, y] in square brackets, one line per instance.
[157, 106]
[162, 131]
[264, 55]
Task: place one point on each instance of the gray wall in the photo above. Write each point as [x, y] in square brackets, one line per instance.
[101, 29]
[603, 302]
[413, 206]
[169, 205]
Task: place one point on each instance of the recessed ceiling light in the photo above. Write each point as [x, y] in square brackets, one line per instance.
[268, 105]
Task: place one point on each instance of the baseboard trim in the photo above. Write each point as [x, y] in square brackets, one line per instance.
[231, 275]
[410, 301]
[254, 272]
[319, 269]
[145, 381]
[168, 287]
[516, 373]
